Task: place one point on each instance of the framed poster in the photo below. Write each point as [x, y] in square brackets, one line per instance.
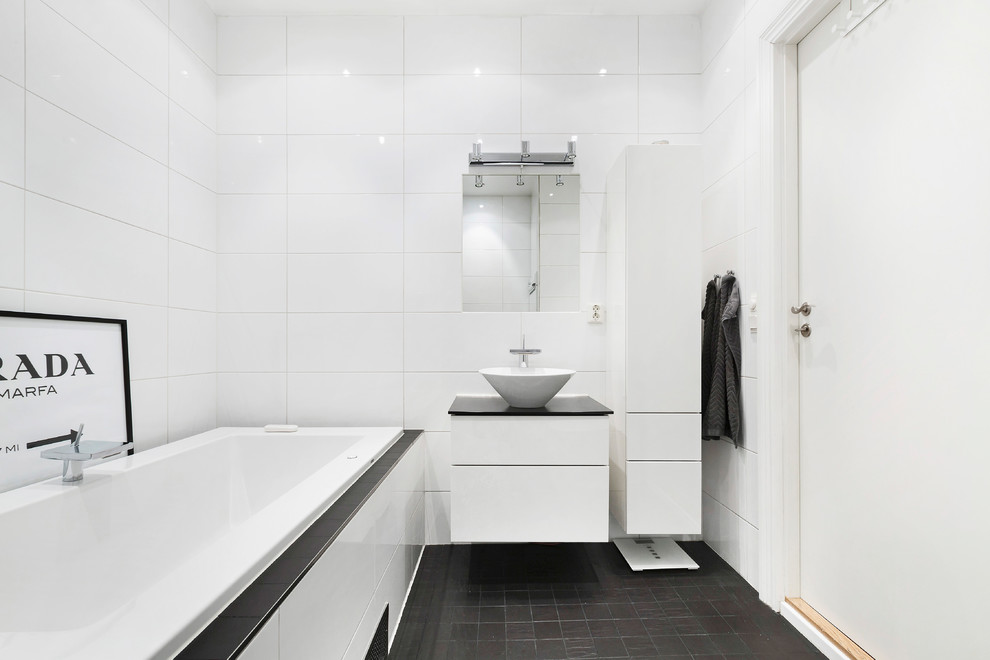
[57, 372]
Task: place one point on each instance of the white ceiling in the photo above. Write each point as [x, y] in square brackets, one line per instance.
[455, 7]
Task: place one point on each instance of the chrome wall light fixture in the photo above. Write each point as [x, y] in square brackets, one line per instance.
[479, 181]
[524, 156]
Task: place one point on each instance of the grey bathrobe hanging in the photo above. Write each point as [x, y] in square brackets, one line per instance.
[721, 416]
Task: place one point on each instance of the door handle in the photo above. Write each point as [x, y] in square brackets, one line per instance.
[805, 330]
[805, 309]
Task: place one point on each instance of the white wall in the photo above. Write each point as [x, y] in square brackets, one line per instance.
[730, 226]
[107, 180]
[339, 228]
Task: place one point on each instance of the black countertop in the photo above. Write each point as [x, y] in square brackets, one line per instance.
[561, 405]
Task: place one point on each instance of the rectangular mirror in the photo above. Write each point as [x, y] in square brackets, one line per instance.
[521, 246]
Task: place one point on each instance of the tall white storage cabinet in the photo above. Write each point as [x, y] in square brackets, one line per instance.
[653, 379]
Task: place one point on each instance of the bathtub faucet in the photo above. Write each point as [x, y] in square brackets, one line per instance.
[74, 454]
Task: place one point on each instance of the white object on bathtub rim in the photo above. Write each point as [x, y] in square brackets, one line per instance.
[281, 428]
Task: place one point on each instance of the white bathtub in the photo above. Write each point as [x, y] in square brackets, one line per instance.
[133, 561]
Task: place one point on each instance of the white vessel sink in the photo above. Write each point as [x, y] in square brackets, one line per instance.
[526, 387]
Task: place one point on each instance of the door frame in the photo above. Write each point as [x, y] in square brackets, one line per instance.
[779, 441]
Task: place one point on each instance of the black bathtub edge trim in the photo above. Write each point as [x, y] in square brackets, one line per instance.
[230, 633]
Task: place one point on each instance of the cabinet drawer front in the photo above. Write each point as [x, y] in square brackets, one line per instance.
[514, 504]
[663, 497]
[667, 437]
[529, 440]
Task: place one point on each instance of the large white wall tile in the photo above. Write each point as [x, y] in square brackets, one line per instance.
[107, 176]
[717, 24]
[12, 230]
[251, 163]
[723, 143]
[723, 80]
[149, 413]
[192, 212]
[192, 342]
[568, 341]
[12, 299]
[579, 44]
[460, 342]
[432, 223]
[345, 223]
[192, 83]
[158, 7]
[196, 24]
[462, 104]
[593, 222]
[345, 399]
[57, 235]
[251, 283]
[11, 133]
[147, 327]
[345, 283]
[251, 342]
[70, 70]
[129, 30]
[192, 277]
[437, 461]
[192, 147]
[251, 399]
[428, 397]
[722, 209]
[669, 44]
[462, 44]
[345, 104]
[12, 40]
[345, 343]
[579, 104]
[251, 45]
[251, 104]
[669, 104]
[432, 282]
[192, 405]
[438, 518]
[251, 223]
[335, 44]
[345, 163]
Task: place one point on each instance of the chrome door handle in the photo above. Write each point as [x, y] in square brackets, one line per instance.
[805, 309]
[805, 330]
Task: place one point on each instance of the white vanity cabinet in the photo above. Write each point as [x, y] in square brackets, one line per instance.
[653, 375]
[519, 476]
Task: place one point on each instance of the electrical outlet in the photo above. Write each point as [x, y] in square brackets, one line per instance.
[596, 314]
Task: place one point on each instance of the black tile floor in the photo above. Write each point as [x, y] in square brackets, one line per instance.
[581, 600]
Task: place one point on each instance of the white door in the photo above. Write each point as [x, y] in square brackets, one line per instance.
[894, 141]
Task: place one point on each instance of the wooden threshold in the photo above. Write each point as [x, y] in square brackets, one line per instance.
[831, 632]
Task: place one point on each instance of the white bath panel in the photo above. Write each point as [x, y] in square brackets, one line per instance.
[645, 554]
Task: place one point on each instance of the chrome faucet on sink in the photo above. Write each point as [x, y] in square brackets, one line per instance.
[76, 452]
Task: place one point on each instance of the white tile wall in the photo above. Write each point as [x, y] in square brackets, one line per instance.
[110, 209]
[358, 253]
[580, 44]
[730, 226]
[67, 68]
[130, 31]
[251, 223]
[12, 41]
[335, 45]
